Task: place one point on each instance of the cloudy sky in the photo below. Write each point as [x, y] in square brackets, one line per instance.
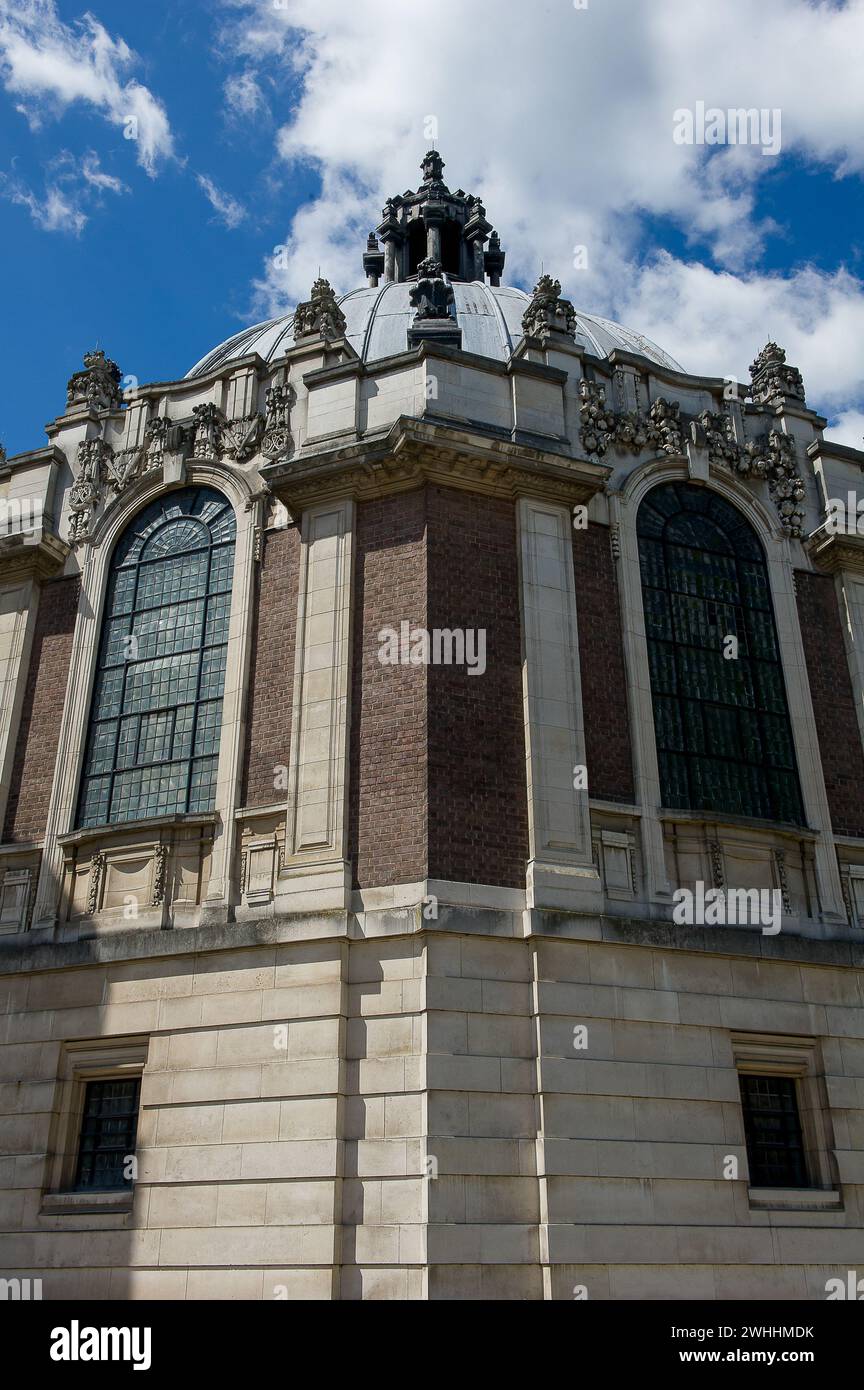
[155, 157]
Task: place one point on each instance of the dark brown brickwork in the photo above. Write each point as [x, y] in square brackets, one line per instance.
[44, 696]
[271, 675]
[833, 701]
[601, 657]
[478, 814]
[388, 768]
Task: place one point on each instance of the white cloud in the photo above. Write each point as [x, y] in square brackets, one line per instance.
[50, 65]
[227, 209]
[563, 120]
[244, 96]
[848, 428]
[72, 187]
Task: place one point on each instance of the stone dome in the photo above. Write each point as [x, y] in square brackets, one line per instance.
[378, 318]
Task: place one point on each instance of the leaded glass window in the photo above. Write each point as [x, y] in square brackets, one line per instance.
[153, 740]
[108, 1128]
[724, 740]
[772, 1128]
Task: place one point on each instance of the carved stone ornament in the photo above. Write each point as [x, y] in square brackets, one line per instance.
[97, 386]
[277, 442]
[773, 458]
[160, 866]
[101, 469]
[2, 455]
[86, 492]
[208, 426]
[771, 378]
[240, 437]
[320, 315]
[97, 869]
[666, 419]
[548, 312]
[432, 296]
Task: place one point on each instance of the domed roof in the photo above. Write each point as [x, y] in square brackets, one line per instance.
[378, 318]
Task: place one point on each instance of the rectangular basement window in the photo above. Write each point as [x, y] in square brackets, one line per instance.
[108, 1127]
[787, 1123]
[95, 1127]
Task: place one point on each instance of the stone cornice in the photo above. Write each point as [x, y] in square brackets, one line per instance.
[825, 449]
[46, 453]
[22, 557]
[833, 552]
[412, 452]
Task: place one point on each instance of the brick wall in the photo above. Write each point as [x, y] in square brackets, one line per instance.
[478, 813]
[44, 695]
[601, 656]
[271, 675]
[833, 701]
[388, 769]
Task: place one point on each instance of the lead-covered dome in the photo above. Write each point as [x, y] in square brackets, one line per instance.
[378, 318]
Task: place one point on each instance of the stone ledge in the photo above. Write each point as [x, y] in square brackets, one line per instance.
[21, 954]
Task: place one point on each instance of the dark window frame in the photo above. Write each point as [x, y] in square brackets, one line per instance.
[100, 1133]
[704, 577]
[168, 694]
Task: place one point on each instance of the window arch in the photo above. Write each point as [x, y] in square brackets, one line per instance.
[156, 713]
[724, 739]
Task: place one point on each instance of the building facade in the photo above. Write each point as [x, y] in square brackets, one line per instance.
[432, 811]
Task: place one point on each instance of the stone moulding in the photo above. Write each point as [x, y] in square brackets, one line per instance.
[412, 452]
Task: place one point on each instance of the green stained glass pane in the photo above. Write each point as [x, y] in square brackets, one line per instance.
[169, 591]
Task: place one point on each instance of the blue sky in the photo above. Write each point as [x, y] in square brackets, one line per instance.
[265, 123]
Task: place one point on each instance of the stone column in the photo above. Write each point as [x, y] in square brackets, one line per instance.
[561, 870]
[316, 873]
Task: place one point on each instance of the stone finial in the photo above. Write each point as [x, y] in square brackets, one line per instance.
[432, 167]
[493, 259]
[2, 455]
[373, 261]
[97, 386]
[771, 378]
[548, 312]
[320, 315]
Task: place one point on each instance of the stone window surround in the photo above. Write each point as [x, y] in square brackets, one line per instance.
[238, 489]
[103, 1060]
[799, 1058]
[624, 507]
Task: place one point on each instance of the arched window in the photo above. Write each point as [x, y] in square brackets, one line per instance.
[153, 740]
[724, 741]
